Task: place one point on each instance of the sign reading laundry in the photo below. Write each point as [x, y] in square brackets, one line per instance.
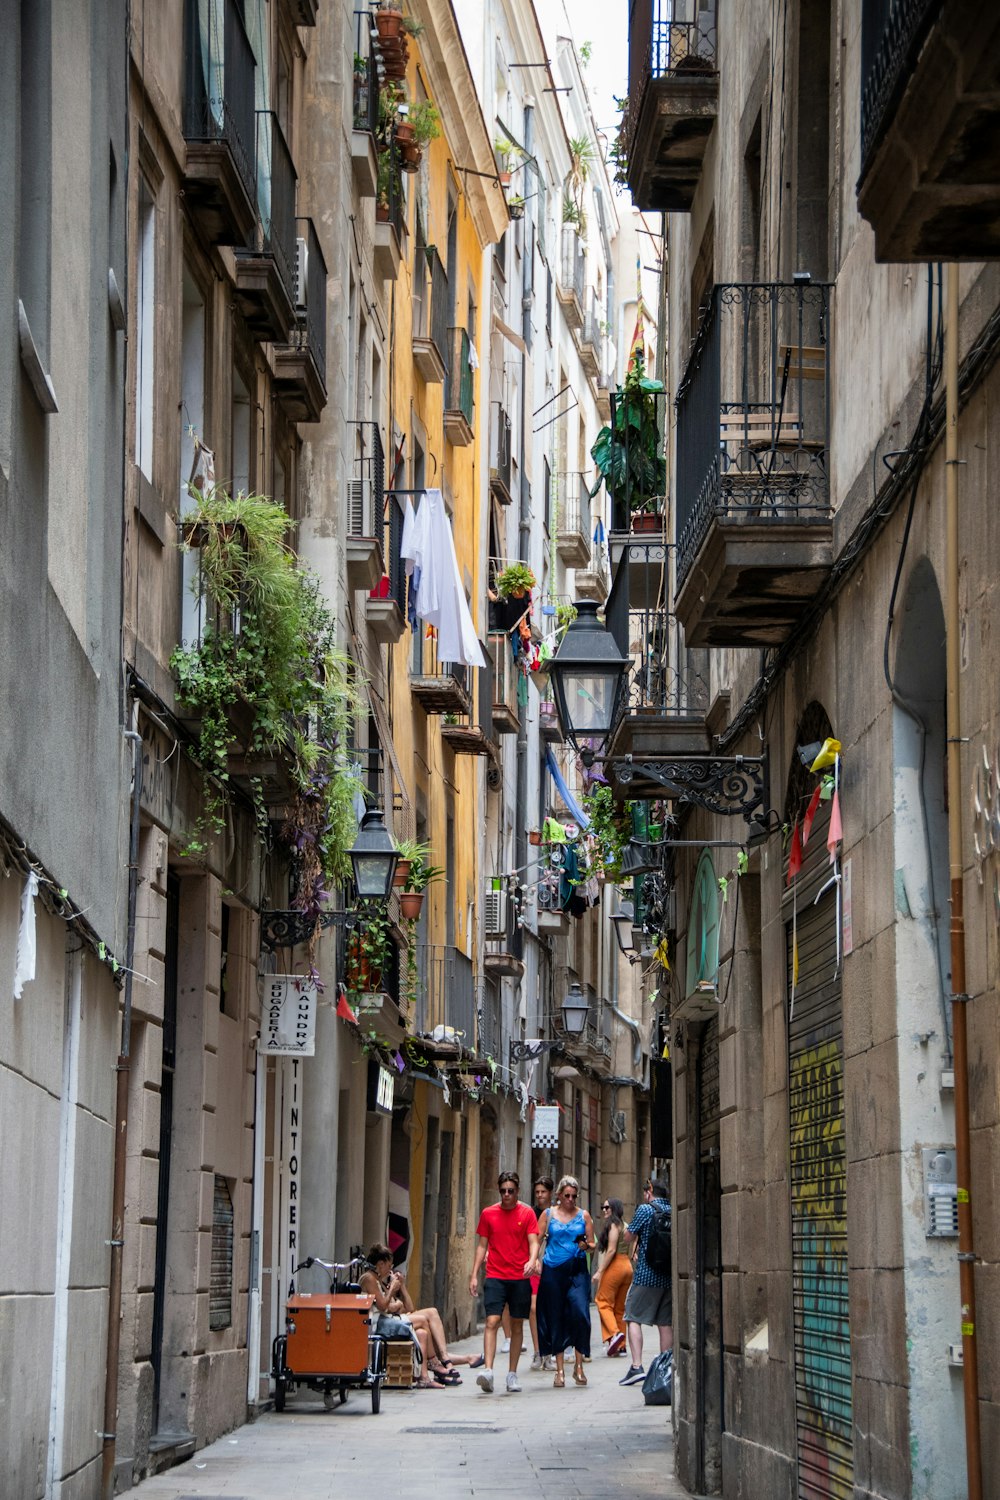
[288, 1024]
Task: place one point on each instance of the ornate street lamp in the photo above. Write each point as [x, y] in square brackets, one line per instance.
[575, 1010]
[588, 676]
[374, 856]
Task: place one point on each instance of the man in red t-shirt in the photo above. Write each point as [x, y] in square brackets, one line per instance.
[508, 1230]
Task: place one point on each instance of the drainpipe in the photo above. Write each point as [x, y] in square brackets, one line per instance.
[117, 1241]
[966, 1255]
[633, 1026]
[524, 522]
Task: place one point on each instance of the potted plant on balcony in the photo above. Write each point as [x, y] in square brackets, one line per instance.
[515, 206]
[367, 959]
[426, 122]
[515, 581]
[420, 875]
[508, 154]
[629, 454]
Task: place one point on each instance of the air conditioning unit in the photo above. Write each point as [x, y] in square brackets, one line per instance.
[495, 913]
[301, 272]
[548, 896]
[360, 507]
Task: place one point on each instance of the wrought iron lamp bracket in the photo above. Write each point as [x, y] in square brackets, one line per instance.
[528, 1051]
[723, 784]
[283, 929]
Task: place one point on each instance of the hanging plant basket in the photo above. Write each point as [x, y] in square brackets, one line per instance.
[410, 903]
[389, 22]
[405, 132]
[410, 156]
[402, 870]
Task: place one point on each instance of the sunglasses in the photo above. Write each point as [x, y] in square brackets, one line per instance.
[507, 1191]
[569, 1193]
[606, 1208]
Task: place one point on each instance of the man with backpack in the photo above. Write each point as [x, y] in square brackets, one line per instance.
[649, 1301]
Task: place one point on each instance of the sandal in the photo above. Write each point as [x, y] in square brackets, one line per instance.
[559, 1381]
[430, 1385]
[445, 1374]
[579, 1375]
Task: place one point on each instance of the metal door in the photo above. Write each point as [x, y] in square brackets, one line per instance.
[818, 1183]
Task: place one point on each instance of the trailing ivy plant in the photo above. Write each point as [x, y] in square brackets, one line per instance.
[268, 650]
[610, 829]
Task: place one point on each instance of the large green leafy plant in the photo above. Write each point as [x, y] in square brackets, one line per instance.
[267, 654]
[629, 454]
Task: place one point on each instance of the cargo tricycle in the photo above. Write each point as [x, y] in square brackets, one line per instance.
[329, 1343]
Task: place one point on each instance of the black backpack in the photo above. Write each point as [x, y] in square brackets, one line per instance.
[659, 1244]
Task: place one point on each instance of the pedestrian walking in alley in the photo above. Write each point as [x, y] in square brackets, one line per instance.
[508, 1233]
[649, 1299]
[543, 1197]
[567, 1233]
[612, 1275]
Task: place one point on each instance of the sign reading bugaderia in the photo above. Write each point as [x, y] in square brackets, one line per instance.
[288, 1023]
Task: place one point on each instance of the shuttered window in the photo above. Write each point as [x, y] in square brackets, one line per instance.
[220, 1310]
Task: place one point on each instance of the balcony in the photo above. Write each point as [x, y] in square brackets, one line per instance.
[364, 157]
[366, 509]
[385, 606]
[754, 523]
[594, 580]
[300, 366]
[500, 454]
[590, 340]
[440, 687]
[504, 676]
[548, 722]
[219, 122]
[390, 213]
[431, 308]
[664, 710]
[446, 1002]
[673, 93]
[572, 277]
[459, 390]
[503, 944]
[930, 129]
[473, 735]
[573, 520]
[265, 268]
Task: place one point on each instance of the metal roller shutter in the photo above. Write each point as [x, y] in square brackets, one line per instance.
[818, 1183]
[220, 1305]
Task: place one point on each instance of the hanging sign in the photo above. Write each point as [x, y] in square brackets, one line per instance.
[381, 1086]
[288, 1022]
[545, 1127]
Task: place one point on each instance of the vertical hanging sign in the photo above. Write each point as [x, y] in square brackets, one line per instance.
[290, 1157]
[288, 1021]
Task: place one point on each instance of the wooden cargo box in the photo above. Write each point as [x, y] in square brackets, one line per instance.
[330, 1333]
[399, 1371]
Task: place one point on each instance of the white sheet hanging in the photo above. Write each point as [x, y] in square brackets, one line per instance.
[428, 549]
[24, 962]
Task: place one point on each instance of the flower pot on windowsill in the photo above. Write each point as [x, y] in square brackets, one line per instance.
[410, 903]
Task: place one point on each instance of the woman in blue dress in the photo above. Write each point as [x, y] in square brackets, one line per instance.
[567, 1232]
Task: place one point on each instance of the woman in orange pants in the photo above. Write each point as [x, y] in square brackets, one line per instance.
[612, 1275]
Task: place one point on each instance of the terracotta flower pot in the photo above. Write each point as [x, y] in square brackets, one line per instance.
[382, 213]
[389, 22]
[402, 870]
[410, 903]
[646, 521]
[534, 838]
[404, 132]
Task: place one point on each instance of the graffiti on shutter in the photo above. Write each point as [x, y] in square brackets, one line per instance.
[220, 1307]
[818, 1182]
[708, 1063]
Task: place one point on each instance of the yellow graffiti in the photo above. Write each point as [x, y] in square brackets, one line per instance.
[819, 1175]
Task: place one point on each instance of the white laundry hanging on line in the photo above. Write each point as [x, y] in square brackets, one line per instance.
[24, 961]
[428, 549]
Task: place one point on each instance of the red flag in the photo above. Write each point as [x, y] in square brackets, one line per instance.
[836, 834]
[807, 821]
[344, 1011]
[794, 854]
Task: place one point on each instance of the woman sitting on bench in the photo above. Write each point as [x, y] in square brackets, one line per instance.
[388, 1288]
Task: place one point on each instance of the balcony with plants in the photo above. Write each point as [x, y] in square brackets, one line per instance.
[672, 104]
[504, 678]
[630, 456]
[365, 504]
[266, 265]
[754, 524]
[300, 365]
[459, 390]
[219, 121]
[930, 174]
[445, 1013]
[366, 82]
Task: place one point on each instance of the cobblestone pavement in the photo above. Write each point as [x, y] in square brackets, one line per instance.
[595, 1441]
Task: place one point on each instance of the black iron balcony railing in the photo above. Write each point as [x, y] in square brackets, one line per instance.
[395, 204]
[500, 453]
[892, 34]
[310, 296]
[661, 43]
[219, 82]
[573, 500]
[276, 180]
[366, 488]
[753, 411]
[572, 265]
[459, 388]
[447, 994]
[365, 74]
[432, 308]
[491, 1017]
[394, 582]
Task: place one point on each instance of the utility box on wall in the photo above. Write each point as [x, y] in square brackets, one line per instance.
[940, 1192]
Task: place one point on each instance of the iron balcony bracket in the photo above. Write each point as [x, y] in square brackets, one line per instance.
[528, 1051]
[723, 784]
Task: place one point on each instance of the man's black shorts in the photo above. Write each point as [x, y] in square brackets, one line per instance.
[515, 1295]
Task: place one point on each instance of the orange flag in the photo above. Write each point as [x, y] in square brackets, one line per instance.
[344, 1011]
[836, 834]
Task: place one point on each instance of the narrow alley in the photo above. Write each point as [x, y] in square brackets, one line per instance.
[445, 1445]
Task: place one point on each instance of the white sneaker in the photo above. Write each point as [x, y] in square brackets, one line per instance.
[536, 1361]
[505, 1347]
[485, 1382]
[549, 1362]
[513, 1384]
